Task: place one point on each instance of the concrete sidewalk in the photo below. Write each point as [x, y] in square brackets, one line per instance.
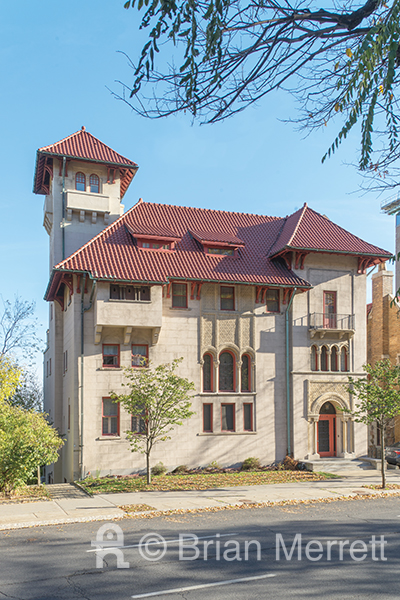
[78, 507]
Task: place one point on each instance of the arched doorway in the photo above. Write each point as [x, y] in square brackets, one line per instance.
[327, 430]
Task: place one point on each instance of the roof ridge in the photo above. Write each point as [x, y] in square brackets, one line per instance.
[298, 223]
[102, 232]
[227, 212]
[63, 140]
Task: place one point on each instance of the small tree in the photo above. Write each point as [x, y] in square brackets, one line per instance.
[378, 398]
[18, 328]
[159, 399]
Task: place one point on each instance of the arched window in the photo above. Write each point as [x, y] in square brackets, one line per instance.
[344, 360]
[94, 184]
[245, 380]
[324, 359]
[334, 359]
[226, 372]
[80, 182]
[207, 373]
[314, 358]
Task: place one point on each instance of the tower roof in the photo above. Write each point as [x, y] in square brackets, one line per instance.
[82, 145]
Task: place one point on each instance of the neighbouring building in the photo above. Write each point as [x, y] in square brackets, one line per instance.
[269, 314]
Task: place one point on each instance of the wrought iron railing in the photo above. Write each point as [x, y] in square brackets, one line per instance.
[332, 321]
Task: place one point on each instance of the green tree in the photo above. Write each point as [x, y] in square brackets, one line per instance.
[213, 58]
[159, 400]
[377, 399]
[10, 376]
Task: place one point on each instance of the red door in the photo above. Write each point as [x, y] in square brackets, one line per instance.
[327, 435]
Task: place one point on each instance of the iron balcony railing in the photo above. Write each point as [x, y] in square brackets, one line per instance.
[332, 321]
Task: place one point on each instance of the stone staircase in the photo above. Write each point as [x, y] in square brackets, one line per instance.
[339, 465]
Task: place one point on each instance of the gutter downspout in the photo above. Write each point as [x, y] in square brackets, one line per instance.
[288, 414]
[63, 207]
[83, 310]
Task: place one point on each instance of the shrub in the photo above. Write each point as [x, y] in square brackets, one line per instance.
[289, 464]
[181, 469]
[251, 464]
[158, 469]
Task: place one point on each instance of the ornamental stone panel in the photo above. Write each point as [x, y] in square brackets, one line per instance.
[326, 391]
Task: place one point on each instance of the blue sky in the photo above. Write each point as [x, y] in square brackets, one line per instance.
[57, 60]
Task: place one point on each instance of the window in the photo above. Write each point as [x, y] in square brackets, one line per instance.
[94, 182]
[65, 361]
[334, 359]
[227, 298]
[49, 366]
[224, 251]
[248, 417]
[179, 295]
[272, 301]
[226, 372]
[314, 359]
[208, 418]
[80, 182]
[344, 360]
[145, 245]
[110, 355]
[69, 415]
[227, 417]
[324, 359]
[140, 355]
[110, 417]
[132, 293]
[138, 423]
[207, 373]
[245, 382]
[330, 310]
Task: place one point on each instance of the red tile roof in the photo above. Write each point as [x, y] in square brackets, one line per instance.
[309, 230]
[216, 236]
[82, 145]
[113, 254]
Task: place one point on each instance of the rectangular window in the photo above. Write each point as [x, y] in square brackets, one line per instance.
[227, 298]
[248, 417]
[272, 301]
[69, 415]
[179, 295]
[140, 355]
[132, 293]
[145, 245]
[110, 355]
[223, 251]
[49, 366]
[138, 424]
[227, 417]
[330, 310]
[110, 417]
[208, 418]
[65, 361]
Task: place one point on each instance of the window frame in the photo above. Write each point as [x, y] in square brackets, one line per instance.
[233, 405]
[330, 319]
[346, 360]
[249, 385]
[141, 419]
[227, 351]
[334, 359]
[118, 365]
[210, 404]
[314, 358]
[327, 356]
[147, 356]
[98, 183]
[103, 416]
[211, 372]
[227, 287]
[278, 300]
[173, 296]
[82, 182]
[251, 405]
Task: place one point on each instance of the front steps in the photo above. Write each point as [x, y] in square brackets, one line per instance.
[338, 465]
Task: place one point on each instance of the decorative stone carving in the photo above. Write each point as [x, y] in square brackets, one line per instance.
[227, 331]
[207, 331]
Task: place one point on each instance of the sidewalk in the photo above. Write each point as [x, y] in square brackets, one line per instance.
[75, 506]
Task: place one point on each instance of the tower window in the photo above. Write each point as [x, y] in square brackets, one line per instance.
[80, 182]
[94, 184]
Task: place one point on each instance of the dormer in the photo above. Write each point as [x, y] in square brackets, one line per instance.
[217, 243]
[153, 237]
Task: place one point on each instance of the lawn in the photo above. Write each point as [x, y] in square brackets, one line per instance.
[196, 481]
[26, 493]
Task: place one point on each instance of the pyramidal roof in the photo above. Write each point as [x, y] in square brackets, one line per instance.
[82, 145]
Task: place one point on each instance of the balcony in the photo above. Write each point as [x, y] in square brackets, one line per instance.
[87, 202]
[332, 326]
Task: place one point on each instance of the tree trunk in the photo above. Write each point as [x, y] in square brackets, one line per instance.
[38, 476]
[383, 459]
[148, 464]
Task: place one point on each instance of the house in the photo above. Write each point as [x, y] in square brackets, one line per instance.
[268, 313]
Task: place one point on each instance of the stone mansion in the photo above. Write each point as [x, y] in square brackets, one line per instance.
[268, 313]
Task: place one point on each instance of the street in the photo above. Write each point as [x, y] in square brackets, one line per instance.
[249, 553]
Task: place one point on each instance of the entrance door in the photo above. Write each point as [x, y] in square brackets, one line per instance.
[327, 430]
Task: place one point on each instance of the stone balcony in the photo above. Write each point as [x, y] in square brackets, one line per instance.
[336, 326]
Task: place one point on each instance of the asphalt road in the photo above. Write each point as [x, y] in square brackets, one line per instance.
[59, 562]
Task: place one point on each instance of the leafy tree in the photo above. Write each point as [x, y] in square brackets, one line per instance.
[26, 441]
[9, 378]
[159, 400]
[377, 399]
[29, 392]
[220, 56]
